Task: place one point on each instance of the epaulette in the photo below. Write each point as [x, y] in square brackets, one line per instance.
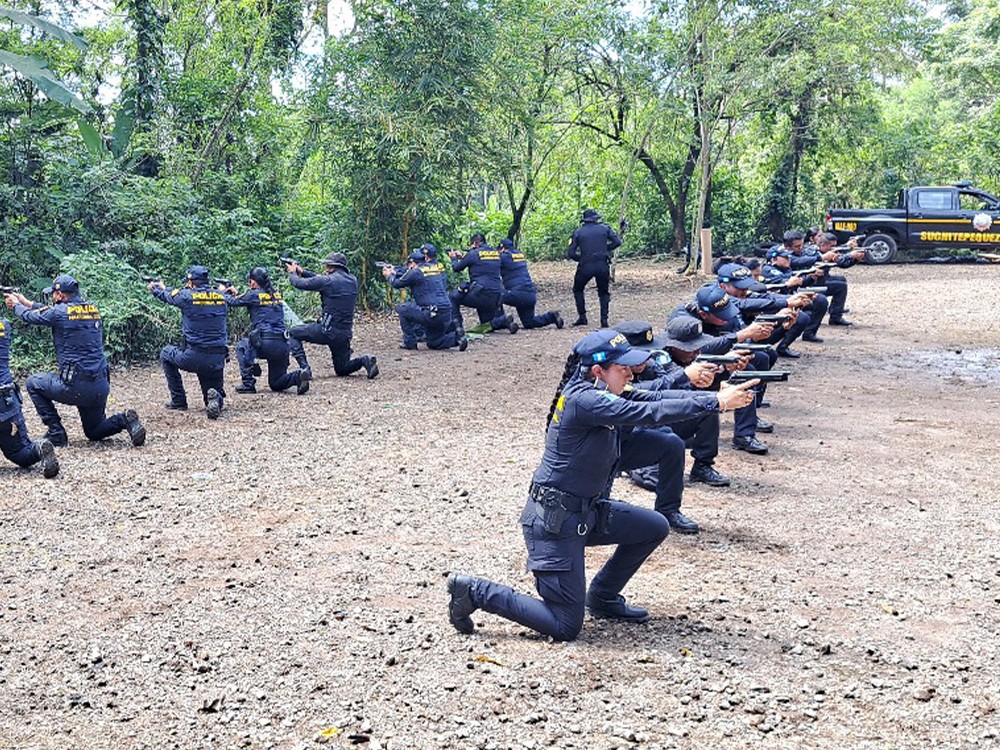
[175, 292]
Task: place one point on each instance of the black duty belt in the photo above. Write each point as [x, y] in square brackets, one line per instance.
[550, 497]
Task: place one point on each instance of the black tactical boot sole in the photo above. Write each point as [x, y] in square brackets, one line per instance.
[47, 458]
[136, 431]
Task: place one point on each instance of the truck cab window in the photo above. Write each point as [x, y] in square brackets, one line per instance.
[972, 202]
[934, 200]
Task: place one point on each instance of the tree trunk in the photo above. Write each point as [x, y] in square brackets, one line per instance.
[783, 189]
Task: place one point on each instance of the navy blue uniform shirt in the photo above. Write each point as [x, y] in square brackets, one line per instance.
[203, 314]
[267, 309]
[77, 332]
[426, 290]
[582, 441]
[434, 269]
[592, 243]
[484, 267]
[514, 271]
[338, 291]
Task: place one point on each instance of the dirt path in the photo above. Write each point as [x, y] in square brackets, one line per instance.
[260, 580]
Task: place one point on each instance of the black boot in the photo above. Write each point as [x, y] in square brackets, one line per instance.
[56, 435]
[460, 603]
[581, 309]
[136, 432]
[47, 458]
[605, 301]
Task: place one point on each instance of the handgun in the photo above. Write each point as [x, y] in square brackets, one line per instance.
[719, 359]
[224, 282]
[776, 318]
[813, 289]
[150, 279]
[8, 290]
[753, 347]
[287, 261]
[764, 376]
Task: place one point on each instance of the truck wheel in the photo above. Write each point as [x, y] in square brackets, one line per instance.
[879, 249]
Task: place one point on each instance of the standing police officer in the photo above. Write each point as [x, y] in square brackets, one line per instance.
[14, 441]
[591, 246]
[428, 313]
[519, 290]
[267, 337]
[338, 291]
[204, 348]
[484, 289]
[84, 378]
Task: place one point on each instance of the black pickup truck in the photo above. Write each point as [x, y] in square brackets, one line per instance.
[955, 216]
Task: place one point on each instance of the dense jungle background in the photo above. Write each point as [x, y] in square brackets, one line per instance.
[141, 136]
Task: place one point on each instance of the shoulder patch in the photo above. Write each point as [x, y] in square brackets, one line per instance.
[175, 292]
[609, 396]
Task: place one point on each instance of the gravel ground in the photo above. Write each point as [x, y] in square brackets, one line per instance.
[276, 579]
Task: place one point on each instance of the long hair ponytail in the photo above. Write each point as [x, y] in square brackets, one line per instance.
[572, 365]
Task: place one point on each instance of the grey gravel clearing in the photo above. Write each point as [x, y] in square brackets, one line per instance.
[276, 578]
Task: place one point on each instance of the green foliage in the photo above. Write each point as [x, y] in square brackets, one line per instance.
[232, 140]
[136, 325]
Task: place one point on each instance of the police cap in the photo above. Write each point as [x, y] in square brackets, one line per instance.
[685, 333]
[606, 347]
[196, 273]
[639, 333]
[63, 283]
[739, 276]
[712, 299]
[334, 260]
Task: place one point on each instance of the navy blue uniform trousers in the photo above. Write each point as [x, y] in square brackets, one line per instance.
[524, 301]
[338, 342]
[274, 350]
[434, 324]
[664, 449]
[207, 366]
[601, 274]
[88, 395]
[557, 561]
[486, 304]
[14, 442]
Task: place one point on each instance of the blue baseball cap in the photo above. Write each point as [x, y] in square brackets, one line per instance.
[63, 283]
[737, 275]
[608, 346]
[712, 299]
[505, 242]
[417, 256]
[778, 252]
[196, 273]
[429, 250]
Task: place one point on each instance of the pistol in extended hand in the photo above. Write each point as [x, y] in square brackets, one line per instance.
[8, 290]
[776, 318]
[719, 359]
[813, 289]
[224, 282]
[764, 376]
[287, 261]
[752, 347]
[150, 279]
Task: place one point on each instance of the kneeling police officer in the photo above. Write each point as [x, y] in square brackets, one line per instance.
[205, 344]
[14, 441]
[84, 378]
[267, 338]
